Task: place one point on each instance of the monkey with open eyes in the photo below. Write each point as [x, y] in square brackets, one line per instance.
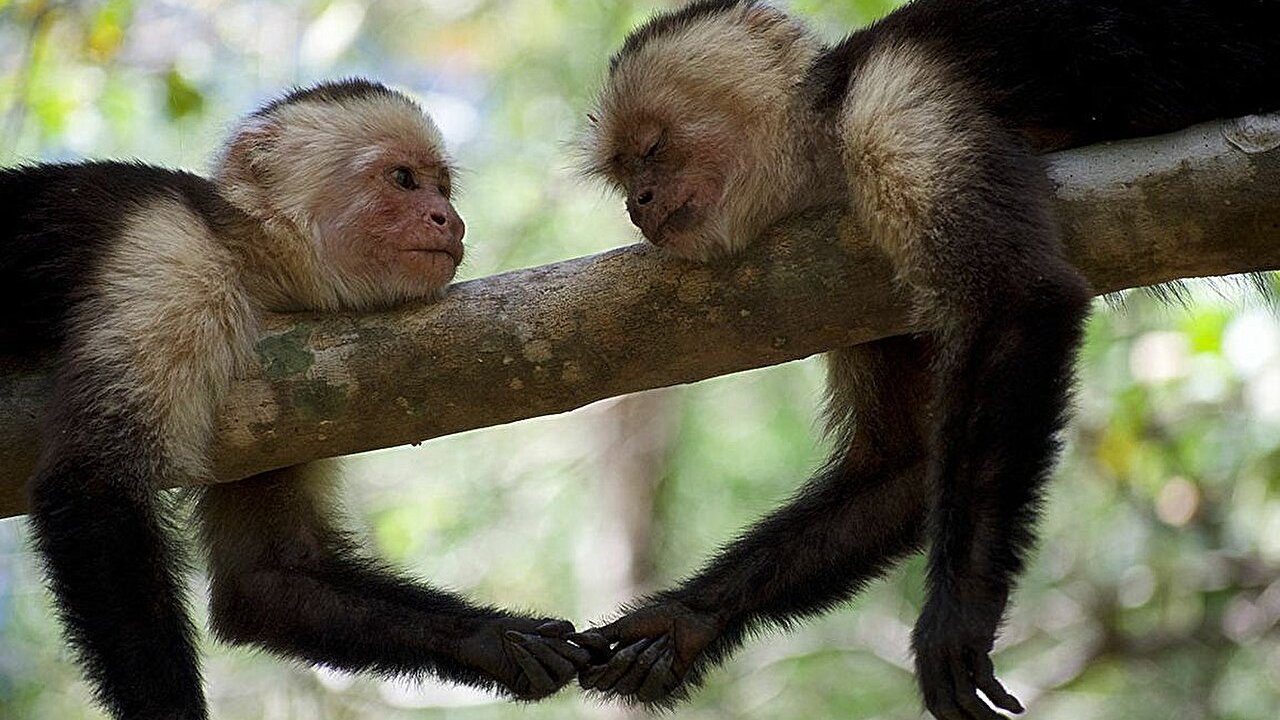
[147, 286]
[722, 117]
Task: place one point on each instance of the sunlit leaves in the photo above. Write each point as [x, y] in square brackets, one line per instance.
[106, 30]
[182, 99]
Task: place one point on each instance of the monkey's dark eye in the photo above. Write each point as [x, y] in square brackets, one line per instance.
[652, 152]
[403, 177]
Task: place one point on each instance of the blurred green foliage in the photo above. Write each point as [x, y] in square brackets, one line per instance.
[1156, 592]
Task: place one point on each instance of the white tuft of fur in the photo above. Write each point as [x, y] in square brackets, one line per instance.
[168, 325]
[299, 147]
[743, 62]
[905, 142]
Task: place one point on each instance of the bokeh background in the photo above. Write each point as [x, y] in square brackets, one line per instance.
[1156, 591]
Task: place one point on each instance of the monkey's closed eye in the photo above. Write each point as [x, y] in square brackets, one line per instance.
[652, 152]
[403, 177]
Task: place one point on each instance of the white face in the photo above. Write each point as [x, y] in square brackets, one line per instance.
[373, 201]
[692, 129]
[673, 177]
[387, 229]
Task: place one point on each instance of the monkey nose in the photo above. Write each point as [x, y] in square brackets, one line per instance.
[439, 218]
[640, 199]
[643, 209]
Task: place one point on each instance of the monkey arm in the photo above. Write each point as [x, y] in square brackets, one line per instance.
[285, 577]
[113, 564]
[1002, 396]
[842, 531]
[853, 521]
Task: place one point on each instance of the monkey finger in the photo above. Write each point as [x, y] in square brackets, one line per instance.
[606, 677]
[661, 681]
[598, 648]
[965, 696]
[540, 683]
[628, 684]
[619, 664]
[580, 657]
[591, 640]
[587, 679]
[554, 628]
[560, 666]
[984, 676]
[975, 708]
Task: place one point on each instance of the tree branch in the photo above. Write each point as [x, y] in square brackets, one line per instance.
[1204, 201]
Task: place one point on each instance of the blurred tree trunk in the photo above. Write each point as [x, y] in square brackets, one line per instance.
[633, 438]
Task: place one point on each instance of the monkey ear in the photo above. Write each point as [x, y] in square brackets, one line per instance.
[773, 24]
[764, 17]
[250, 145]
[240, 169]
[256, 135]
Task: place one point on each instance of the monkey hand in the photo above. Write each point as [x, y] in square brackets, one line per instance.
[953, 662]
[646, 655]
[529, 658]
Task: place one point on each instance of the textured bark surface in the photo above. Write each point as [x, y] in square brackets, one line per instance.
[1204, 201]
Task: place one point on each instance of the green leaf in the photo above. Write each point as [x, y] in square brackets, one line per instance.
[183, 99]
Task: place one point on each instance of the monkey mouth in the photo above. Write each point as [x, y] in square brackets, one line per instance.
[684, 218]
[454, 253]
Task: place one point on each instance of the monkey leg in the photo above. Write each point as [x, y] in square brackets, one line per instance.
[962, 207]
[1008, 309]
[115, 574]
[286, 578]
[853, 521]
[1002, 398]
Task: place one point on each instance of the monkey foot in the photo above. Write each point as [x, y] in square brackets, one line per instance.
[952, 671]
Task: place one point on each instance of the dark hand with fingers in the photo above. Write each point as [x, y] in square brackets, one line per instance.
[529, 658]
[953, 662]
[646, 655]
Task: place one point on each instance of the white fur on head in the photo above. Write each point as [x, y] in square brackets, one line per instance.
[729, 68]
[299, 166]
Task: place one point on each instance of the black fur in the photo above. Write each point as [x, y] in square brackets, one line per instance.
[57, 222]
[957, 428]
[1074, 72]
[332, 92]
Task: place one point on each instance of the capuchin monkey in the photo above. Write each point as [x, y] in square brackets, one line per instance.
[722, 117]
[147, 285]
